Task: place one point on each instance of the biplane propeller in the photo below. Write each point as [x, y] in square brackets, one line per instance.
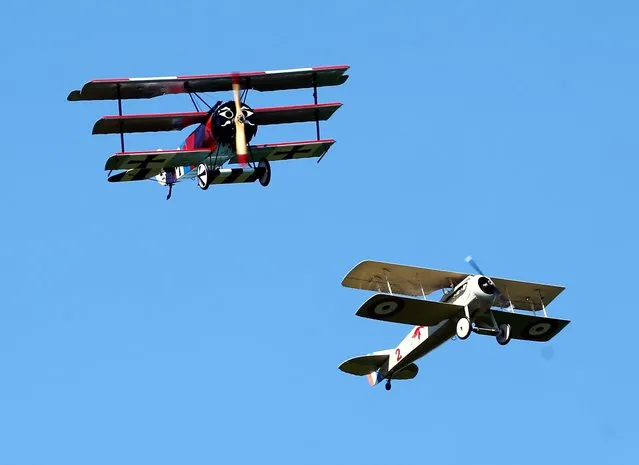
[223, 134]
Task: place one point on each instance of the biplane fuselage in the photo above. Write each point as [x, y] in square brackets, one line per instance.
[466, 308]
[424, 339]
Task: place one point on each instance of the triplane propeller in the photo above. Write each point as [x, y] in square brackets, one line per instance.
[465, 307]
[223, 132]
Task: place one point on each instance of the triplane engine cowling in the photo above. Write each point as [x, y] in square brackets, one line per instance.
[224, 123]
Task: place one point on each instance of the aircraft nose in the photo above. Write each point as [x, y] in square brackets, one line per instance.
[486, 285]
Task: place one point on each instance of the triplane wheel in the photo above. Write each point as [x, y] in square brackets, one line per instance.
[203, 176]
[503, 337]
[463, 328]
[265, 177]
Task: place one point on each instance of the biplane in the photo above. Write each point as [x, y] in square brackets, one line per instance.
[466, 306]
[223, 132]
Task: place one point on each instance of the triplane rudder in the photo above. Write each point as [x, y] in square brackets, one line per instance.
[466, 306]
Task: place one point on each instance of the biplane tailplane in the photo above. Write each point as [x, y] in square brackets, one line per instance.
[367, 365]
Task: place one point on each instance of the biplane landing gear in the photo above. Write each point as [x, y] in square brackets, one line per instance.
[203, 176]
[463, 328]
[265, 177]
[503, 337]
[388, 385]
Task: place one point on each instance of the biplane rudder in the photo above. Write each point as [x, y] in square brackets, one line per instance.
[374, 378]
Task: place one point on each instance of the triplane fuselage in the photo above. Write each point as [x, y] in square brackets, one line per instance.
[465, 307]
[223, 132]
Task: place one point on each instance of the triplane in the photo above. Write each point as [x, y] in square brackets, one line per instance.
[466, 306]
[224, 130]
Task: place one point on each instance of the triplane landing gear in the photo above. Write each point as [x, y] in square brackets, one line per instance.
[208, 174]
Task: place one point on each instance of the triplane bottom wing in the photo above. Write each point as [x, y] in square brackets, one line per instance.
[288, 150]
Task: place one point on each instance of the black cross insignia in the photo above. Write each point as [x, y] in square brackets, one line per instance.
[288, 154]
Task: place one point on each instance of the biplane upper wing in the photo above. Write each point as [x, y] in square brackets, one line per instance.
[526, 295]
[407, 310]
[288, 150]
[147, 164]
[403, 279]
[177, 121]
[149, 87]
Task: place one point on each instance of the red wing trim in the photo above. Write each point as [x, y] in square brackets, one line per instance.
[149, 87]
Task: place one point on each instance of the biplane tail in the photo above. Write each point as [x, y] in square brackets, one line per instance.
[367, 365]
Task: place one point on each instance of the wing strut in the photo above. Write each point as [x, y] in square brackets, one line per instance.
[317, 124]
[317, 127]
[120, 114]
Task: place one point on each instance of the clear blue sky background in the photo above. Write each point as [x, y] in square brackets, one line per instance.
[208, 329]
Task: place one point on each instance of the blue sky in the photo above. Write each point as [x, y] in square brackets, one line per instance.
[208, 329]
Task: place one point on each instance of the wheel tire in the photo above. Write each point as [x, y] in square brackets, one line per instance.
[203, 178]
[503, 337]
[265, 179]
[463, 328]
[388, 385]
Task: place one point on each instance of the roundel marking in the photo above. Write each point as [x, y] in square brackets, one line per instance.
[385, 306]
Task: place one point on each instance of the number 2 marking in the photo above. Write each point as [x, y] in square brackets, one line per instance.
[399, 355]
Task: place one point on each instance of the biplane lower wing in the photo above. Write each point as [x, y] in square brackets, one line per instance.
[528, 327]
[418, 312]
[149, 87]
[378, 276]
[157, 160]
[288, 150]
[177, 121]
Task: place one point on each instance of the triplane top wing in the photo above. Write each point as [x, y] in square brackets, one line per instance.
[149, 87]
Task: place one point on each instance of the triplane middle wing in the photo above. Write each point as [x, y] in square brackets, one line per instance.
[223, 132]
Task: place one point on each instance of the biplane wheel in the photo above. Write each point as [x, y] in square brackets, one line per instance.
[463, 328]
[203, 176]
[503, 337]
[388, 385]
[265, 178]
